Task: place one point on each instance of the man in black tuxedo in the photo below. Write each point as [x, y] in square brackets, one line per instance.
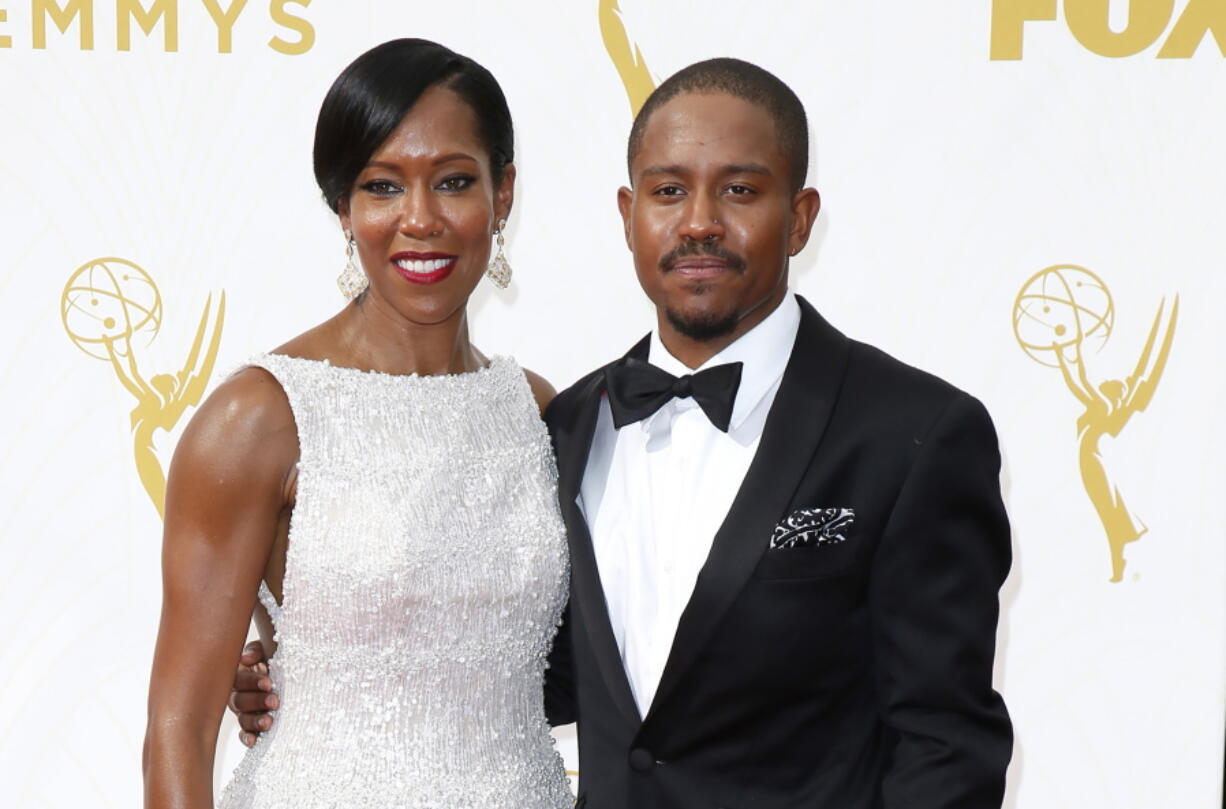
[834, 641]
[786, 546]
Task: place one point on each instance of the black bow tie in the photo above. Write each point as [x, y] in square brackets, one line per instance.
[638, 389]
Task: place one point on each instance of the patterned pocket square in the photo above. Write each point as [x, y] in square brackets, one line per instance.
[813, 528]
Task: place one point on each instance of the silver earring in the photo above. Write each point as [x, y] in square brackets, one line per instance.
[352, 281]
[499, 269]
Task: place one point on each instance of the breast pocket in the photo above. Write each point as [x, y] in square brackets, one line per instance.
[809, 562]
[811, 543]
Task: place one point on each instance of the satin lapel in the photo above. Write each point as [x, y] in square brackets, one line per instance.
[573, 438]
[793, 429]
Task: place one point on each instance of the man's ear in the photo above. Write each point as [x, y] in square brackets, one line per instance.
[625, 200]
[806, 204]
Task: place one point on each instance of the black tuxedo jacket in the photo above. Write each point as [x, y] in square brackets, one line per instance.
[850, 675]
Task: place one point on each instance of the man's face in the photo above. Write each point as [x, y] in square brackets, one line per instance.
[711, 218]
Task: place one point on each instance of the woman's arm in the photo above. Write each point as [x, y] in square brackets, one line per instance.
[227, 488]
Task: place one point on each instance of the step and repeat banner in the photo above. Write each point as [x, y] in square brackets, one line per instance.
[1022, 196]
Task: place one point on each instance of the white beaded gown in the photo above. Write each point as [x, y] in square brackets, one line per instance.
[425, 578]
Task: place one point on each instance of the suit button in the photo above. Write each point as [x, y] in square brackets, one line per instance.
[642, 760]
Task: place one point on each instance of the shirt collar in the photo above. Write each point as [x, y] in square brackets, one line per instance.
[764, 350]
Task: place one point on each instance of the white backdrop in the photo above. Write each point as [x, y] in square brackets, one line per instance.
[949, 179]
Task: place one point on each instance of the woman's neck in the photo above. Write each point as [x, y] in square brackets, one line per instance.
[375, 337]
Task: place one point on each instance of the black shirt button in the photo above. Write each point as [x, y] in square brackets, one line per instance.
[641, 760]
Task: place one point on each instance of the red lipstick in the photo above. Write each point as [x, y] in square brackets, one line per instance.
[423, 267]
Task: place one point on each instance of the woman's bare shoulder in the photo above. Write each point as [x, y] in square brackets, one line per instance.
[250, 413]
[245, 422]
[542, 391]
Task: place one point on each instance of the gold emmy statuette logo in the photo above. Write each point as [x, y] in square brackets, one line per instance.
[625, 55]
[1060, 313]
[109, 303]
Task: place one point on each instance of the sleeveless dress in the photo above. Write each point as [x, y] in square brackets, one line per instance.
[425, 578]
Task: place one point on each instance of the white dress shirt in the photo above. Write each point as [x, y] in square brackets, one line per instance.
[654, 494]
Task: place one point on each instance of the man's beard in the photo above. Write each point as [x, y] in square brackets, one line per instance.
[707, 325]
[702, 327]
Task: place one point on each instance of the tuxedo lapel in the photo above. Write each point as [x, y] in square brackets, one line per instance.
[793, 429]
[573, 438]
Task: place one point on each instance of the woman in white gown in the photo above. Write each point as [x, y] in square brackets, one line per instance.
[383, 489]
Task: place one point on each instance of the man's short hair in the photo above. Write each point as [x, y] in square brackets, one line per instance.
[747, 82]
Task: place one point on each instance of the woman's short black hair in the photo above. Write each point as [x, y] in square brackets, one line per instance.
[369, 99]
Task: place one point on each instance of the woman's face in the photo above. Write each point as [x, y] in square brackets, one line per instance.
[423, 209]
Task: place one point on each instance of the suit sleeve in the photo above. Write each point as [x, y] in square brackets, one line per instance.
[560, 678]
[944, 554]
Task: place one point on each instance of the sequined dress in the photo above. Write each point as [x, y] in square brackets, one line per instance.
[425, 577]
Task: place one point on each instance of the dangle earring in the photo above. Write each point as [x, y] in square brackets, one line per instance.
[352, 281]
[499, 270]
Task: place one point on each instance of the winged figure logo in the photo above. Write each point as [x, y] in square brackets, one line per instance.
[1061, 313]
[107, 305]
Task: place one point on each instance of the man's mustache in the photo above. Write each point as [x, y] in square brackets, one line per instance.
[714, 249]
